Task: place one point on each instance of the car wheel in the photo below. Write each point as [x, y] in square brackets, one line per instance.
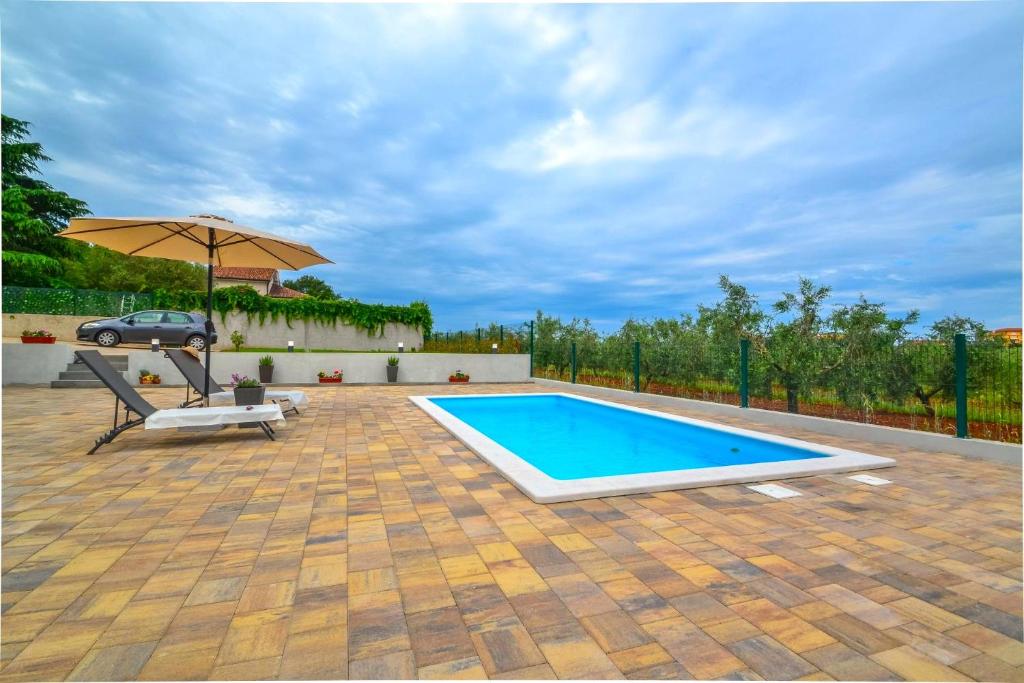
[197, 342]
[107, 338]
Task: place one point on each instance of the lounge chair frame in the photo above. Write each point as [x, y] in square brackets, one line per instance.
[124, 393]
[194, 383]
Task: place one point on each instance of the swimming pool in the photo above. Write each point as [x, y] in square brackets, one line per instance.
[557, 447]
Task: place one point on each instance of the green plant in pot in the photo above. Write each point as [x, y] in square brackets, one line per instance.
[266, 369]
[248, 390]
[392, 368]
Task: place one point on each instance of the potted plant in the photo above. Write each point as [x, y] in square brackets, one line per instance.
[459, 377]
[37, 337]
[330, 377]
[266, 369]
[392, 368]
[147, 377]
[248, 391]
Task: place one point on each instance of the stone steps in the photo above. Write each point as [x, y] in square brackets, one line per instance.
[79, 376]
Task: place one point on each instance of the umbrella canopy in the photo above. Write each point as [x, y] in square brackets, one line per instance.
[191, 238]
[205, 237]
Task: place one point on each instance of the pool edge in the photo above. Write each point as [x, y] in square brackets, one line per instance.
[542, 488]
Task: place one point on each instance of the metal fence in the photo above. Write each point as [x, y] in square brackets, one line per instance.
[957, 388]
[495, 338]
[73, 301]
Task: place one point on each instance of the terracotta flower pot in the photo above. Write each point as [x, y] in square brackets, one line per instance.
[458, 380]
[38, 340]
[330, 380]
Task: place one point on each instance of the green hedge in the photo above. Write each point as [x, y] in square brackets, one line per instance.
[245, 299]
[47, 301]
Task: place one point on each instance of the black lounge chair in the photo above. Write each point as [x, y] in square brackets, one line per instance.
[195, 375]
[134, 403]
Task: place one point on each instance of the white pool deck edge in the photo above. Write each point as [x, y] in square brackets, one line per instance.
[542, 488]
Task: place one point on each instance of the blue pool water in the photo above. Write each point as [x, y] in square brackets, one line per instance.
[567, 438]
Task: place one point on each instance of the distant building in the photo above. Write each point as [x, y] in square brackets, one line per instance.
[263, 280]
[1010, 335]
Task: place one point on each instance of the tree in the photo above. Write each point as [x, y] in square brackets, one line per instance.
[873, 346]
[794, 347]
[930, 366]
[313, 286]
[33, 212]
[99, 268]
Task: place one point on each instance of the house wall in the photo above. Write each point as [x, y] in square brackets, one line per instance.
[262, 287]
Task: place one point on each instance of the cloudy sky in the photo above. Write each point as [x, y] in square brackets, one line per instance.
[602, 161]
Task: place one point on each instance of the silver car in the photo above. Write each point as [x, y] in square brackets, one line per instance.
[170, 327]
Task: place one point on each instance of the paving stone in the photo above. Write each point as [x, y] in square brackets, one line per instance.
[771, 659]
[367, 542]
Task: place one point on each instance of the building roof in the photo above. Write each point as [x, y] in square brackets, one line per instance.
[236, 273]
[281, 292]
[1007, 330]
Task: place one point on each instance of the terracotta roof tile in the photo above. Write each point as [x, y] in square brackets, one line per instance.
[282, 292]
[235, 273]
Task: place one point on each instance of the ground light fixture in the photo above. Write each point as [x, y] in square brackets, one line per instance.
[401, 347]
[291, 347]
[494, 348]
[154, 345]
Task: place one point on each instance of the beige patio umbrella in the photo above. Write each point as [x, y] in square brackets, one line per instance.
[205, 237]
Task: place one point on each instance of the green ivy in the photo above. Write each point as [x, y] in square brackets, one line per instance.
[245, 299]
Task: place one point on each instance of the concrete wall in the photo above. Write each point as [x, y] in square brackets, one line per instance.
[359, 368]
[308, 335]
[34, 363]
[271, 333]
[63, 326]
[921, 441]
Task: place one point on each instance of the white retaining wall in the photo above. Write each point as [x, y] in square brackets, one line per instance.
[34, 363]
[359, 368]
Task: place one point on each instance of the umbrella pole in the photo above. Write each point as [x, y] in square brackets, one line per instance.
[209, 313]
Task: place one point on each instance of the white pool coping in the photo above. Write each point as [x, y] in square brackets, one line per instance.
[545, 489]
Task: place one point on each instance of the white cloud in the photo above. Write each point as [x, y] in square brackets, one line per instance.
[646, 132]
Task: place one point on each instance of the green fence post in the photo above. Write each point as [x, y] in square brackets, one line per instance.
[531, 348]
[960, 360]
[478, 335]
[744, 373]
[572, 361]
[501, 334]
[636, 367]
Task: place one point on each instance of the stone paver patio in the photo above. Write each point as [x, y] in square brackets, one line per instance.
[369, 543]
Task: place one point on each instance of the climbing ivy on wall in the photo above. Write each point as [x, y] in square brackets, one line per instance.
[245, 299]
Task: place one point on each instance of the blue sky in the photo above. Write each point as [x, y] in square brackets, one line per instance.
[602, 161]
